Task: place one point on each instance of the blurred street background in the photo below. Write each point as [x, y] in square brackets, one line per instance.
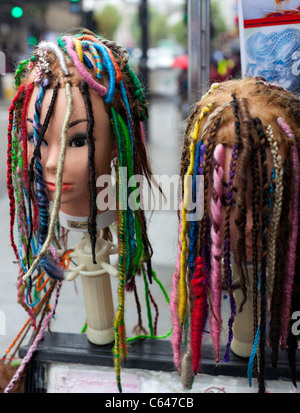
[155, 34]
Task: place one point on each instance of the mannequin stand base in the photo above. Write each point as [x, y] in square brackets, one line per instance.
[241, 349]
[144, 354]
[100, 337]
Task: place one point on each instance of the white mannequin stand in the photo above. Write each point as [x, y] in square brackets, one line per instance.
[243, 335]
[95, 278]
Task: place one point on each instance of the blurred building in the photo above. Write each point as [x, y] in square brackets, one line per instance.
[24, 23]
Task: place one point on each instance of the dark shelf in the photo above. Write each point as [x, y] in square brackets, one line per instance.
[143, 354]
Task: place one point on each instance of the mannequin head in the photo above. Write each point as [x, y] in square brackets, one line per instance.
[243, 137]
[75, 197]
[83, 90]
[77, 115]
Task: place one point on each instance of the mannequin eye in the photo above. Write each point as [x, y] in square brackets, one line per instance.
[78, 141]
[30, 139]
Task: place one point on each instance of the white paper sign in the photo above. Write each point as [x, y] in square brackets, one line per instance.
[270, 41]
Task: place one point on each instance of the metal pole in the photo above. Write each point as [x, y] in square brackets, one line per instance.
[144, 42]
[198, 48]
[144, 58]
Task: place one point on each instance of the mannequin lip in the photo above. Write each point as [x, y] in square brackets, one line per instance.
[51, 186]
[65, 186]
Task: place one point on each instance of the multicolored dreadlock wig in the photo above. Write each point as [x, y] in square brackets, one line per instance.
[256, 123]
[62, 66]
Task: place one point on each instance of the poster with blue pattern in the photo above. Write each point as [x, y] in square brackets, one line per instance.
[270, 41]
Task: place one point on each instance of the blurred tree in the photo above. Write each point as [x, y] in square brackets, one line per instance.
[136, 28]
[108, 21]
[218, 23]
[179, 33]
[158, 27]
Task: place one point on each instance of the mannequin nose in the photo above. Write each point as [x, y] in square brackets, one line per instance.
[50, 159]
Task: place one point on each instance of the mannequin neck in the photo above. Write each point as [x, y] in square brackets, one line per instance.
[80, 224]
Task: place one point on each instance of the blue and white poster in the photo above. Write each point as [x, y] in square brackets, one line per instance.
[270, 41]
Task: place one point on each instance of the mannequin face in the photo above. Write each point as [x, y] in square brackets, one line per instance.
[75, 193]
